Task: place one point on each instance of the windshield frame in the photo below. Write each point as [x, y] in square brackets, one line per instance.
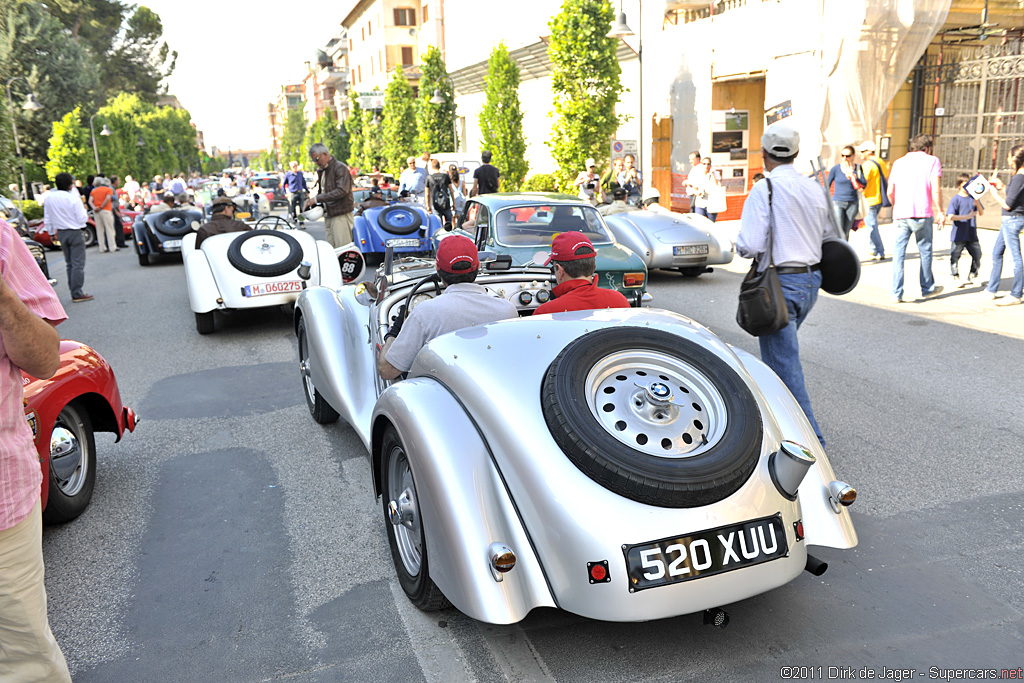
[493, 229]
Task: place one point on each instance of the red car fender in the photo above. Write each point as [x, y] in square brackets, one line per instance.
[85, 375]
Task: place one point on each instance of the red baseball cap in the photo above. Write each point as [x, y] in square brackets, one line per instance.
[456, 251]
[570, 246]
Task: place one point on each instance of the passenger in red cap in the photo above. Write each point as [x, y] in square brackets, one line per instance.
[462, 304]
[574, 262]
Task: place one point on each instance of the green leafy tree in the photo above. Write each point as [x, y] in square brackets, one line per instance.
[8, 169]
[585, 82]
[501, 119]
[59, 71]
[293, 136]
[398, 128]
[267, 161]
[138, 60]
[328, 131]
[167, 137]
[373, 141]
[355, 129]
[435, 121]
[70, 147]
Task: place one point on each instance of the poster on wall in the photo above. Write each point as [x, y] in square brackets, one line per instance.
[778, 112]
[729, 145]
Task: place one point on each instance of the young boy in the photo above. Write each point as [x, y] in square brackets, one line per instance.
[962, 210]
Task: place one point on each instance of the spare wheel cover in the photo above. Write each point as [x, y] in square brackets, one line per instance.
[399, 219]
[265, 253]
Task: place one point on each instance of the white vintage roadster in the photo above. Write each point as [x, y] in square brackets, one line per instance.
[623, 465]
[253, 269]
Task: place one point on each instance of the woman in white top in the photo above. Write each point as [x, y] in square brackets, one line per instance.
[708, 182]
[458, 187]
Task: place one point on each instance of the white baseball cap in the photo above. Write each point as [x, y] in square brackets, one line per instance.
[866, 146]
[781, 139]
[591, 162]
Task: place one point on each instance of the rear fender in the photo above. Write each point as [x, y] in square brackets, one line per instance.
[188, 245]
[822, 526]
[341, 359]
[361, 234]
[464, 504]
[203, 292]
[142, 237]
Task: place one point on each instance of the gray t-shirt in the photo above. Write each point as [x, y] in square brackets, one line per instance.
[459, 306]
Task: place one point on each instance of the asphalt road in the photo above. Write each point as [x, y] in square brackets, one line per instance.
[230, 538]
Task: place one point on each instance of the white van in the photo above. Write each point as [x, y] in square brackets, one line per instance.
[466, 163]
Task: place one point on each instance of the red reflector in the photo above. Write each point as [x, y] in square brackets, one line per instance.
[798, 528]
[598, 572]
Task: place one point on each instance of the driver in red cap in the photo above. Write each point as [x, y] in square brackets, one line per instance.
[574, 261]
[462, 304]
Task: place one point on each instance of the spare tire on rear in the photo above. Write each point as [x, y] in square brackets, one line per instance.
[653, 417]
[173, 223]
[399, 219]
[278, 253]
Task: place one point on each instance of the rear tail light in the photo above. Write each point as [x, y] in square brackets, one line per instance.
[633, 279]
[788, 466]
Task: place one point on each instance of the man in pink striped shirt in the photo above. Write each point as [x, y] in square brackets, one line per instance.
[29, 314]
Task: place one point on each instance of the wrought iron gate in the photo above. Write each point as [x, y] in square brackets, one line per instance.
[971, 101]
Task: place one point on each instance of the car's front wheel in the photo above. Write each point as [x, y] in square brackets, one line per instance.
[405, 527]
[319, 409]
[89, 235]
[72, 470]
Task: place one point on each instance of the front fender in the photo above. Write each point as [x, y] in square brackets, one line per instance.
[328, 266]
[341, 358]
[464, 504]
[822, 526]
[203, 292]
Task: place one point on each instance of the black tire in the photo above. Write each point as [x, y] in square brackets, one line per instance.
[89, 235]
[399, 219]
[287, 264]
[205, 323]
[415, 580]
[172, 223]
[694, 475]
[72, 474]
[693, 271]
[319, 409]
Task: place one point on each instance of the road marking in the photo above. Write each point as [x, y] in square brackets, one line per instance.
[512, 650]
[439, 655]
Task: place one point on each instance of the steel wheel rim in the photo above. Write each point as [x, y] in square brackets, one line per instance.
[684, 422]
[307, 381]
[69, 457]
[408, 534]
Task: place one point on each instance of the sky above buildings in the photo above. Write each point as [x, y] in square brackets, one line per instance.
[233, 59]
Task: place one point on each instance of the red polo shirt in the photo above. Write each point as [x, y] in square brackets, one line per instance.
[581, 295]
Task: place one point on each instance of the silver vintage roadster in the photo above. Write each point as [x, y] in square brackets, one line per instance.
[685, 242]
[623, 465]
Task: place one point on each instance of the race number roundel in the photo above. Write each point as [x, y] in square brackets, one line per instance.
[351, 263]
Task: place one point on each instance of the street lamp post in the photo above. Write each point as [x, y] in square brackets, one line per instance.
[30, 105]
[92, 130]
[621, 30]
[439, 99]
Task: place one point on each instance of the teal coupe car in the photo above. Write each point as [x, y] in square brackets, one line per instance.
[523, 225]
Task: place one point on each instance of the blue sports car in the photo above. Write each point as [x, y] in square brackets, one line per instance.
[407, 228]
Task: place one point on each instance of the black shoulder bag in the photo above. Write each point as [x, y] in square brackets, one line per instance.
[762, 308]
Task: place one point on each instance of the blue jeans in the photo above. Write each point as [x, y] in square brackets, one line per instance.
[846, 214]
[1009, 238]
[701, 211]
[871, 220]
[921, 228]
[997, 263]
[781, 351]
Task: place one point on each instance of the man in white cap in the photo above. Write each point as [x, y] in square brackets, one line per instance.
[875, 172]
[589, 184]
[794, 207]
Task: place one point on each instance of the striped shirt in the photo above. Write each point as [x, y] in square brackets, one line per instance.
[800, 220]
[20, 475]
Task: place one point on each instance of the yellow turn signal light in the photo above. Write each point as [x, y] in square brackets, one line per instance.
[502, 559]
[841, 494]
